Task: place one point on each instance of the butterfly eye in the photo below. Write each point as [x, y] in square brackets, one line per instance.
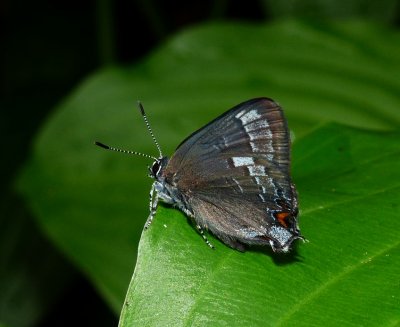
[155, 168]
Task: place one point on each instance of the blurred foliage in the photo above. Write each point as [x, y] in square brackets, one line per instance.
[27, 288]
[382, 11]
[92, 204]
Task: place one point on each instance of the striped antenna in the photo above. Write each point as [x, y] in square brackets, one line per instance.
[124, 151]
[149, 128]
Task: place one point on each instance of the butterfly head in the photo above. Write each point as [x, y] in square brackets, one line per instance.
[157, 168]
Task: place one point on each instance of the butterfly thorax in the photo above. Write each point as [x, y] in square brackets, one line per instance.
[165, 188]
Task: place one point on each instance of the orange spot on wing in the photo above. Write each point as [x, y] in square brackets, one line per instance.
[281, 216]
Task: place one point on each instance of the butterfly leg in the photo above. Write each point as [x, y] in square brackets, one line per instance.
[198, 227]
[230, 242]
[153, 207]
[200, 230]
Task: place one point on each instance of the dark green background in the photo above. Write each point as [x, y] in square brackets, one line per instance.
[47, 49]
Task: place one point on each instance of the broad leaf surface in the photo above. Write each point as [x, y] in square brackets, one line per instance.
[93, 203]
[347, 275]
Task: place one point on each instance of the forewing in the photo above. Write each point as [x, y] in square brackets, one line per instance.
[247, 148]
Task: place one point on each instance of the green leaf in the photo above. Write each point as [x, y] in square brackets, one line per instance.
[93, 203]
[349, 185]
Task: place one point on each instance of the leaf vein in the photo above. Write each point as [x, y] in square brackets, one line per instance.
[337, 278]
[353, 199]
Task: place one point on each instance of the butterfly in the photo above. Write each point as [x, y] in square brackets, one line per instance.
[232, 178]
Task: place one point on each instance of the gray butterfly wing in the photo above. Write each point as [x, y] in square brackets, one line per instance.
[234, 174]
[237, 221]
